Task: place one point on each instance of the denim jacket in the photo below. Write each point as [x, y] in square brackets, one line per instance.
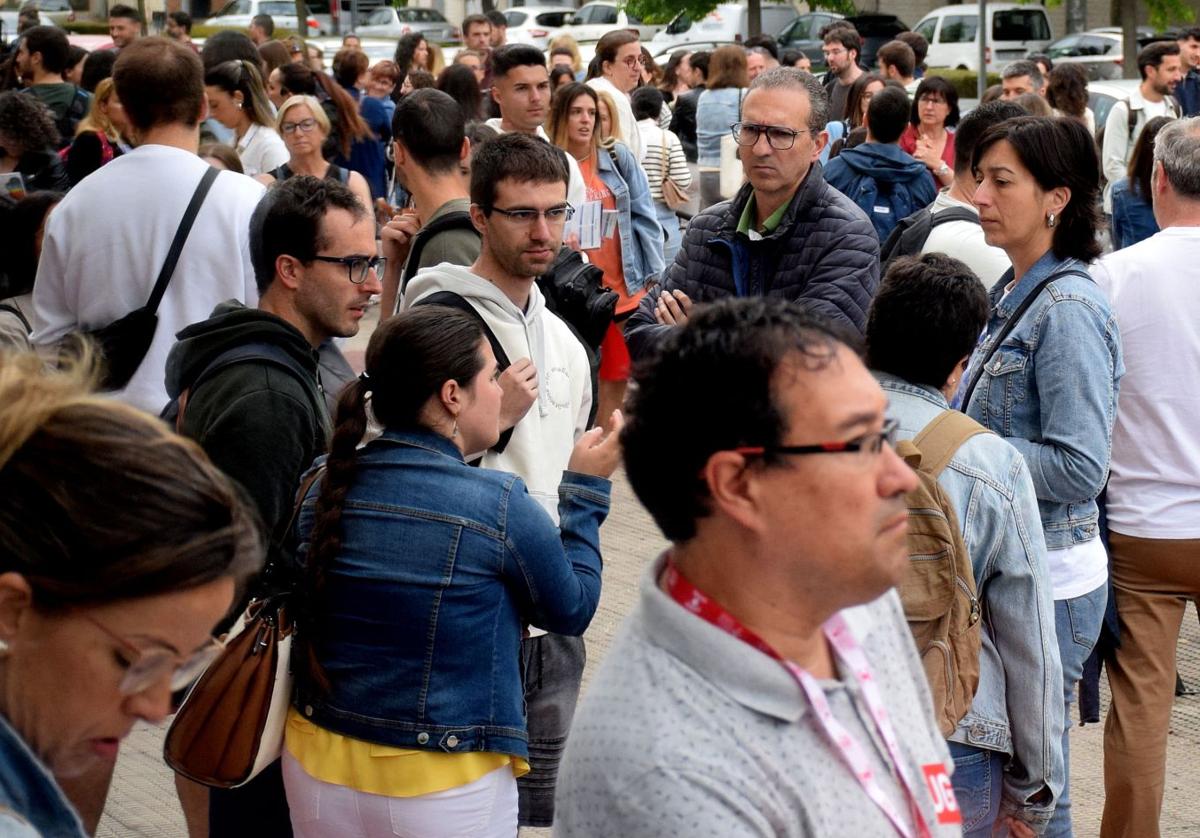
[418, 629]
[1051, 390]
[1018, 708]
[31, 804]
[637, 221]
[716, 110]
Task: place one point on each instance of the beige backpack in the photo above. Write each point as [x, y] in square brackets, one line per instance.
[938, 591]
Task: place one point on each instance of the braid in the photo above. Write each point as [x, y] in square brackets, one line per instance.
[325, 540]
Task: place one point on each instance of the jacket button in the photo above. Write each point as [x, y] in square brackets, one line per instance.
[308, 711]
[422, 738]
[452, 741]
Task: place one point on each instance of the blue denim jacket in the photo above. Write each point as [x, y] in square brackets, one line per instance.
[716, 110]
[31, 804]
[1051, 390]
[1018, 706]
[1132, 216]
[419, 627]
[637, 221]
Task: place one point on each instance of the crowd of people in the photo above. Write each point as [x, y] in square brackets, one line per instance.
[794, 307]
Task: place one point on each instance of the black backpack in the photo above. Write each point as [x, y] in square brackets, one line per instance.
[457, 220]
[909, 235]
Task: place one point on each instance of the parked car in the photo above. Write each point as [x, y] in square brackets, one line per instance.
[661, 54]
[875, 30]
[392, 22]
[376, 49]
[593, 20]
[237, 15]
[953, 33]
[803, 33]
[536, 25]
[1099, 54]
[8, 24]
[59, 11]
[1102, 95]
[727, 22]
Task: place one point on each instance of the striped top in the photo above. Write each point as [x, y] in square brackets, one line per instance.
[663, 147]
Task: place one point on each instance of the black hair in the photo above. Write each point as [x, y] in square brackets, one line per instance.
[406, 48]
[1152, 55]
[298, 79]
[1041, 58]
[518, 157]
[183, 20]
[647, 102]
[97, 67]
[974, 125]
[560, 74]
[763, 41]
[721, 365]
[1191, 33]
[1067, 90]
[515, 55]
[699, 61]
[127, 12]
[919, 44]
[497, 18]
[431, 126]
[1141, 158]
[264, 22]
[228, 45]
[790, 56]
[459, 83]
[53, 45]
[25, 120]
[18, 241]
[925, 318]
[290, 221]
[1057, 152]
[887, 115]
[899, 55]
[74, 56]
[847, 36]
[941, 87]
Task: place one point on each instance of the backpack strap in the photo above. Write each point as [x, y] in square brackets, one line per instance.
[940, 440]
[16, 312]
[457, 220]
[952, 214]
[449, 298]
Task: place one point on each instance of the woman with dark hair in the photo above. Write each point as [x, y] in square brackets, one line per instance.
[274, 54]
[21, 229]
[412, 53]
[672, 84]
[852, 131]
[1046, 373]
[1132, 207]
[420, 574]
[560, 74]
[109, 592]
[238, 100]
[1067, 93]
[652, 76]
[719, 106]
[929, 136]
[458, 82]
[97, 66]
[29, 144]
[73, 72]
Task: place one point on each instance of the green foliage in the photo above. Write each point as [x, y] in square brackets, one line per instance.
[964, 81]
[1163, 13]
[662, 11]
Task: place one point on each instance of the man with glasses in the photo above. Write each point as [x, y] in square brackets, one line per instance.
[841, 49]
[245, 385]
[519, 205]
[786, 233]
[766, 682]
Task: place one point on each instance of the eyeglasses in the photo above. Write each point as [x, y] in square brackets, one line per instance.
[358, 268]
[555, 215]
[867, 445]
[633, 60]
[834, 51]
[931, 100]
[304, 126]
[145, 668]
[778, 137]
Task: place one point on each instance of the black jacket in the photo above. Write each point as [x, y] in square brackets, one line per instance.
[259, 422]
[683, 122]
[824, 254]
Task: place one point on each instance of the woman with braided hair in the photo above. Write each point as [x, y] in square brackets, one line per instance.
[420, 573]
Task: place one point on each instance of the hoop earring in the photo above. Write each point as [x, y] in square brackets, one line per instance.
[1051, 220]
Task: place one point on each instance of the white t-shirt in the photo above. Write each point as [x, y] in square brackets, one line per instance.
[629, 132]
[964, 241]
[1077, 570]
[262, 150]
[1154, 289]
[107, 240]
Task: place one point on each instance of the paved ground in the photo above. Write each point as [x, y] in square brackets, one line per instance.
[143, 802]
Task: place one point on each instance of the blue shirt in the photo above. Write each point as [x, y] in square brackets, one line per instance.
[1132, 215]
[31, 804]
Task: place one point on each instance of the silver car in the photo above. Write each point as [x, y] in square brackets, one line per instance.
[391, 22]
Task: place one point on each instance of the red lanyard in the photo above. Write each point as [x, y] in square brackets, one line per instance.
[851, 654]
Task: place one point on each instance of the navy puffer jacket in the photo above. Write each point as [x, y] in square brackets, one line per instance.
[824, 254]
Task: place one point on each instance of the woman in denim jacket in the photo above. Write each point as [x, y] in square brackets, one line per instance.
[629, 252]
[420, 573]
[1049, 384]
[718, 107]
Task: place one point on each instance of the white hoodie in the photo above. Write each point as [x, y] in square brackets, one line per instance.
[541, 442]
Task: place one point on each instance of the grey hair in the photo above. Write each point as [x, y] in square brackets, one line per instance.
[1177, 148]
[790, 78]
[1024, 68]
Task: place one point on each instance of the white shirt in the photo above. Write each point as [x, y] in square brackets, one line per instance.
[964, 241]
[107, 240]
[1118, 143]
[262, 150]
[1078, 569]
[629, 132]
[1154, 288]
[576, 189]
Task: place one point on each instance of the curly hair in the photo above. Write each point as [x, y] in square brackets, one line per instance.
[25, 121]
[1067, 90]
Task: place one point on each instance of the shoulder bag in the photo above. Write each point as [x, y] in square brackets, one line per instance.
[672, 195]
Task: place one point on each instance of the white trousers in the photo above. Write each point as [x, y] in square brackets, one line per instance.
[486, 808]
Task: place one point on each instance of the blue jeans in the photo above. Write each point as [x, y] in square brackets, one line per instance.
[978, 784]
[1077, 624]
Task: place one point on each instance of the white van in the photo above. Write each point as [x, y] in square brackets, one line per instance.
[727, 22]
[1016, 30]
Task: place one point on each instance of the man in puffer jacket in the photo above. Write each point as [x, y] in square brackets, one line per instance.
[786, 233]
[885, 182]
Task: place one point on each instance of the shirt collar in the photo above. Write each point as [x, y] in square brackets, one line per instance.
[894, 384]
[770, 225]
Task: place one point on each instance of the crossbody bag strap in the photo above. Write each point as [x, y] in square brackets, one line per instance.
[181, 235]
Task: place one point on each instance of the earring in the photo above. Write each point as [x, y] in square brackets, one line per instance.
[454, 432]
[1051, 220]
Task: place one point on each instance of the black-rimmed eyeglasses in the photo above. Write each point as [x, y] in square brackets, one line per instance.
[358, 268]
[867, 444]
[778, 137]
[555, 215]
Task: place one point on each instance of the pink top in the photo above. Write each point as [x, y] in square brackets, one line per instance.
[908, 143]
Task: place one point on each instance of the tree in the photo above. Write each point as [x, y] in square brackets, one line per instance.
[661, 11]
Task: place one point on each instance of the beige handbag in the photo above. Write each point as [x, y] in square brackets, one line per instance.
[672, 195]
[732, 175]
